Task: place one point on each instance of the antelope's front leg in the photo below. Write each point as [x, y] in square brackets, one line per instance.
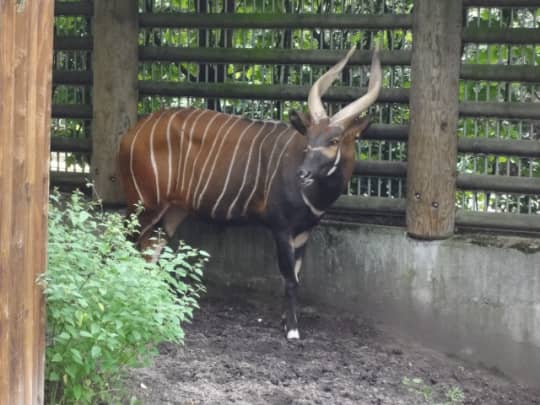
[290, 250]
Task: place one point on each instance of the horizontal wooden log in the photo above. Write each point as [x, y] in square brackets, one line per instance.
[513, 36]
[72, 43]
[501, 3]
[74, 8]
[65, 144]
[500, 110]
[502, 184]
[383, 168]
[81, 111]
[497, 221]
[386, 132]
[388, 206]
[69, 180]
[71, 77]
[501, 73]
[267, 56]
[268, 92]
[522, 148]
[273, 20]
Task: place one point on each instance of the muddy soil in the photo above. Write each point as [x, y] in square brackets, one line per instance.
[234, 353]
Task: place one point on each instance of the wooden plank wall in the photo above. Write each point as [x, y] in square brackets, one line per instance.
[26, 36]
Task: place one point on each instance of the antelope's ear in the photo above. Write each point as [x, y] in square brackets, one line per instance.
[357, 126]
[300, 121]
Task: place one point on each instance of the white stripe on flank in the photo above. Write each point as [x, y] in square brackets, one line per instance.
[233, 159]
[209, 154]
[181, 146]
[244, 179]
[153, 157]
[190, 142]
[248, 200]
[169, 150]
[217, 114]
[277, 166]
[238, 119]
[276, 142]
[141, 199]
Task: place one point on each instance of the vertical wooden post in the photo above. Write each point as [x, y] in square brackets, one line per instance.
[115, 63]
[432, 150]
[26, 41]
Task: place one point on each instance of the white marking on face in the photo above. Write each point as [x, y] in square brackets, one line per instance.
[300, 240]
[169, 150]
[153, 156]
[297, 267]
[181, 159]
[293, 334]
[216, 137]
[259, 161]
[190, 143]
[336, 163]
[199, 152]
[314, 210]
[148, 119]
[244, 178]
[233, 160]
[216, 158]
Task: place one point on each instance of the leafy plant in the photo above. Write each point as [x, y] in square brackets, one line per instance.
[107, 307]
[452, 395]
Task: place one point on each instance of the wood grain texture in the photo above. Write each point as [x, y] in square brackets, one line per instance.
[115, 63]
[26, 35]
[431, 177]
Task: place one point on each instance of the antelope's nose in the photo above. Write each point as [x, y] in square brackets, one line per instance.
[305, 177]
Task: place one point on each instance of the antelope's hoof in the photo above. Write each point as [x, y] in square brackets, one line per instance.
[293, 334]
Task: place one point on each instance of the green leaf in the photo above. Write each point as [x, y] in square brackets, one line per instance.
[96, 351]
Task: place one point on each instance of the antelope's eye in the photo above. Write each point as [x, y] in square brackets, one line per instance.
[334, 142]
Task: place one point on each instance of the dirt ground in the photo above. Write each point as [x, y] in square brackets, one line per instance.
[235, 353]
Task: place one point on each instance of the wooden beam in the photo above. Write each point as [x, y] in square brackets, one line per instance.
[432, 147]
[514, 36]
[26, 37]
[255, 92]
[501, 3]
[74, 8]
[114, 102]
[267, 56]
[502, 184]
[501, 110]
[272, 20]
[501, 73]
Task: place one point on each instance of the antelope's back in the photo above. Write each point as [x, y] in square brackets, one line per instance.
[217, 165]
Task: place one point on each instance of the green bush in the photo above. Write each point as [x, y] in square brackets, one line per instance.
[108, 308]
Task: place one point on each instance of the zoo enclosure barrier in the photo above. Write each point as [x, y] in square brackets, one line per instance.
[260, 58]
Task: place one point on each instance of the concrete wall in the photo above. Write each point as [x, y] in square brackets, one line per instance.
[475, 296]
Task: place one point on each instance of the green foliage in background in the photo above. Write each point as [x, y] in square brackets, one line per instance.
[107, 307]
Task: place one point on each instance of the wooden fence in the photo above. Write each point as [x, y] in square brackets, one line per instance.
[432, 152]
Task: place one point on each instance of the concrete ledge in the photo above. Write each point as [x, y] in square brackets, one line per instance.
[474, 296]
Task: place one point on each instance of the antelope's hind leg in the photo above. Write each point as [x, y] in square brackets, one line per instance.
[169, 217]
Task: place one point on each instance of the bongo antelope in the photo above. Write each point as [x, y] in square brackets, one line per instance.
[230, 169]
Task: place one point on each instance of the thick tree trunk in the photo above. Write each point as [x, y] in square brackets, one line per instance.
[26, 37]
[115, 63]
[431, 175]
